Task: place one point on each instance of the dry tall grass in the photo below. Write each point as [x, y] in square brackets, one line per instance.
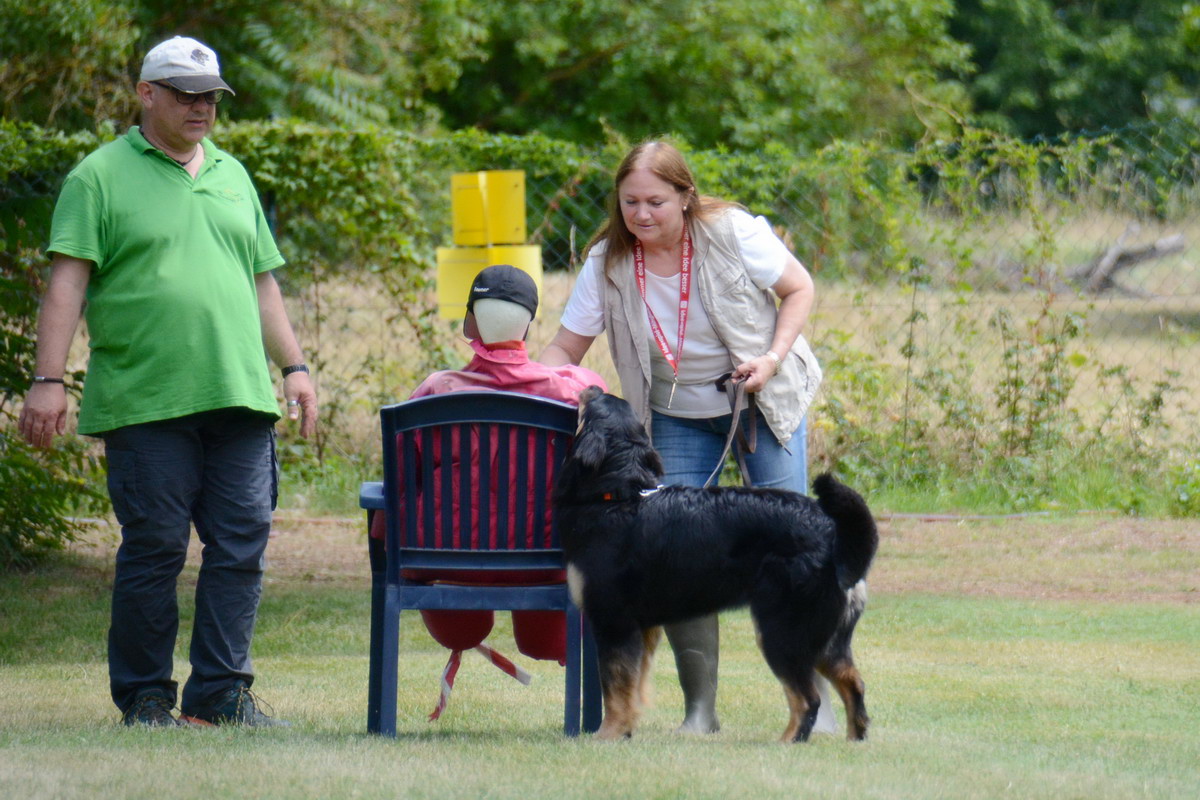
[370, 355]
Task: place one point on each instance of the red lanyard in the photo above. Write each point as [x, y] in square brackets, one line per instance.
[685, 291]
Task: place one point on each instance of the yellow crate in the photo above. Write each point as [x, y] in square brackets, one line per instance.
[488, 207]
[458, 266]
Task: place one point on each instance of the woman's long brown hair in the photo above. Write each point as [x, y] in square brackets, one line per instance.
[666, 162]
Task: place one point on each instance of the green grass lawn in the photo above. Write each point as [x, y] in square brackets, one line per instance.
[977, 687]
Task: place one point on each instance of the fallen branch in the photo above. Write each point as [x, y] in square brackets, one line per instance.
[1099, 275]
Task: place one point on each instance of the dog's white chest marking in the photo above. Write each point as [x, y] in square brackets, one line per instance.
[575, 584]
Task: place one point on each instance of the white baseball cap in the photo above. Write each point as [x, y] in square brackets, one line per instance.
[185, 64]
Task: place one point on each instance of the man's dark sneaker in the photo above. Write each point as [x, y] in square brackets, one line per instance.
[236, 706]
[152, 708]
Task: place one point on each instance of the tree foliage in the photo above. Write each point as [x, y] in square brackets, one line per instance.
[1045, 67]
[802, 73]
[713, 72]
[72, 63]
[65, 62]
[330, 61]
[738, 74]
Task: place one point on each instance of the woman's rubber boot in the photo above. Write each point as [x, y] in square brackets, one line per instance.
[696, 643]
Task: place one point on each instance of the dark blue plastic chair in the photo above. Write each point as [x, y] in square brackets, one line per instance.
[445, 456]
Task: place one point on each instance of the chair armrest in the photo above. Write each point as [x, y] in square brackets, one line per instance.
[370, 495]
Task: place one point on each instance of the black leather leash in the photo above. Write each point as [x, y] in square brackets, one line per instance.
[739, 400]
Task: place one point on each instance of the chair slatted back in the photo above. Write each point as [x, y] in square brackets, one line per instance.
[469, 479]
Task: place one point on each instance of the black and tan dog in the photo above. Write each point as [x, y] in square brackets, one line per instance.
[640, 555]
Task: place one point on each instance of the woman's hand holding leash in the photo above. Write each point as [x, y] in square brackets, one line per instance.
[757, 371]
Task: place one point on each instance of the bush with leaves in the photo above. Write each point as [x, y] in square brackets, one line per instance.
[40, 491]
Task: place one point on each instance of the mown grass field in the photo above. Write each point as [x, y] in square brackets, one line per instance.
[1038, 657]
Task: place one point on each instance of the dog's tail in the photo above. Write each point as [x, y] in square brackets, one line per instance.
[857, 537]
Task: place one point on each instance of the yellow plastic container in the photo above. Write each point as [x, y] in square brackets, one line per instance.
[458, 266]
[488, 207]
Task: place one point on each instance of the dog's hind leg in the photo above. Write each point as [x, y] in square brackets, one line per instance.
[803, 704]
[785, 655]
[837, 664]
[844, 675]
[620, 667]
[650, 641]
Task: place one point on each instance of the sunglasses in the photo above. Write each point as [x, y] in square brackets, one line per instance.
[188, 98]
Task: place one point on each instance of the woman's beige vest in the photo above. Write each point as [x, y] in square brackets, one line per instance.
[742, 315]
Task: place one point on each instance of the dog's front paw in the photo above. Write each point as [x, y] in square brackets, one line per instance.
[611, 733]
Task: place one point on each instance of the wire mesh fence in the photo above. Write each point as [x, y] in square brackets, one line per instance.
[966, 292]
[1014, 294]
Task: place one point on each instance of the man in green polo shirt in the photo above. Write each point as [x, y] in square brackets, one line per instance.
[161, 235]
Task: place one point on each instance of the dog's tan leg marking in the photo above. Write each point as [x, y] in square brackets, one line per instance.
[651, 637]
[619, 680]
[850, 687]
[797, 708]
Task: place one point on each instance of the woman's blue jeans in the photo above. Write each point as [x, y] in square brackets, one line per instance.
[690, 449]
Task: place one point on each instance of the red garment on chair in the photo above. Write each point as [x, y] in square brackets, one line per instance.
[506, 366]
[540, 635]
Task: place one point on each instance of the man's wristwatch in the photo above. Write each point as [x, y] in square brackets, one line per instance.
[294, 368]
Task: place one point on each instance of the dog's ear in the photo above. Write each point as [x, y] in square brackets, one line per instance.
[590, 449]
[652, 462]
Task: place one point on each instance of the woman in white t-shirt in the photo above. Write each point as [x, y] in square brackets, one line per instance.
[663, 247]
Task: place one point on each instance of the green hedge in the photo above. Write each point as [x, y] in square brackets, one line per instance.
[375, 200]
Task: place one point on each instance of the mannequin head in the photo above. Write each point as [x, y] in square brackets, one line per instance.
[501, 305]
